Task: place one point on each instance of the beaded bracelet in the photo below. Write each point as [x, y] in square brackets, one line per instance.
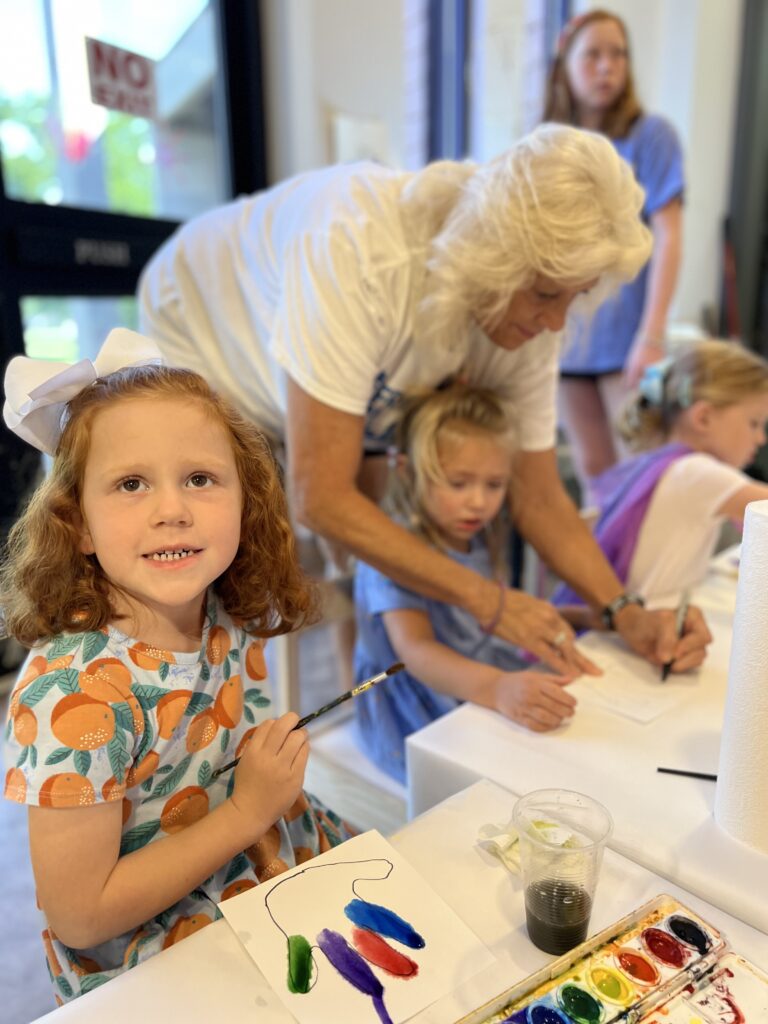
[488, 630]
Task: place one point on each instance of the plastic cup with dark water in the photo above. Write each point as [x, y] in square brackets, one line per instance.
[562, 837]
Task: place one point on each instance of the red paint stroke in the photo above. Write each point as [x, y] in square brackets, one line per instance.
[378, 952]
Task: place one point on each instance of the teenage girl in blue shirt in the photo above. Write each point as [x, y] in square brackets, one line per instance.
[591, 87]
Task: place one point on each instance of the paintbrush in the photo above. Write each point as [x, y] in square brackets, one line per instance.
[691, 775]
[360, 688]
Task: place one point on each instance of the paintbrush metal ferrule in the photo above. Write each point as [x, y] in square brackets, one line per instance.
[362, 687]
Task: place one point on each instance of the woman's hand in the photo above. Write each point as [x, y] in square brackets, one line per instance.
[536, 700]
[270, 774]
[652, 634]
[536, 625]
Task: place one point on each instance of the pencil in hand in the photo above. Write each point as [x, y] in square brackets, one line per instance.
[682, 611]
[360, 688]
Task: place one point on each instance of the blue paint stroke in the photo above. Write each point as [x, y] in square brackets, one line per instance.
[384, 921]
[353, 969]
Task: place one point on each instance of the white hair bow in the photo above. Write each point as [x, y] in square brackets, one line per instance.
[37, 390]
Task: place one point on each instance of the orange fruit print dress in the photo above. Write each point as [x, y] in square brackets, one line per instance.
[99, 716]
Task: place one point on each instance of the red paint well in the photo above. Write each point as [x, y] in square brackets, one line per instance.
[637, 967]
[378, 952]
[664, 947]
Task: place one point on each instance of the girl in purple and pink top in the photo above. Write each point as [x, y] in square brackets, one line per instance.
[698, 419]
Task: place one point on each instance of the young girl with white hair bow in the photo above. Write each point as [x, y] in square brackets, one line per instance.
[146, 573]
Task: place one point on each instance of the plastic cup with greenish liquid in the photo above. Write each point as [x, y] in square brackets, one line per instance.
[562, 836]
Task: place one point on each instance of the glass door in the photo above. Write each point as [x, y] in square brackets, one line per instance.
[115, 125]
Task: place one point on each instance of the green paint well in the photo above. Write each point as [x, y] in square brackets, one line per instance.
[299, 964]
[580, 1006]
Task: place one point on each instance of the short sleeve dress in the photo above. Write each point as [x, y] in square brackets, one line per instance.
[98, 717]
[394, 709]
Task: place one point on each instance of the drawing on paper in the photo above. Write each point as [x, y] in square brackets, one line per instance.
[372, 926]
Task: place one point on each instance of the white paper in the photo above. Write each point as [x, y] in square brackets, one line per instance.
[630, 686]
[311, 899]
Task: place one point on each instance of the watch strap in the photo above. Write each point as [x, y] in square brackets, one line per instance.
[611, 610]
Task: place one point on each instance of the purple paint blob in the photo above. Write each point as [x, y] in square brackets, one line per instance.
[353, 969]
[384, 921]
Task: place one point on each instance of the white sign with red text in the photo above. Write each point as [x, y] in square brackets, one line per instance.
[121, 80]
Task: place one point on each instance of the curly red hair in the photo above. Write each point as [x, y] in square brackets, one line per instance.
[48, 586]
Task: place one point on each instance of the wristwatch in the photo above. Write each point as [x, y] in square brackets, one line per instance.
[611, 610]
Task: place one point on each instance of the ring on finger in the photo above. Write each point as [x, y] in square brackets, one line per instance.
[560, 639]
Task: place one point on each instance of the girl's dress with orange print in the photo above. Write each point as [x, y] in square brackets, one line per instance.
[99, 716]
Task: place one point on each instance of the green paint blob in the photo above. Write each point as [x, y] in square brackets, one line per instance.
[580, 1005]
[299, 964]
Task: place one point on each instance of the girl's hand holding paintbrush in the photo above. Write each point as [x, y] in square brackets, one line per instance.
[270, 773]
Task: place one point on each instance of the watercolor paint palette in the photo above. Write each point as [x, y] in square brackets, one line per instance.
[662, 964]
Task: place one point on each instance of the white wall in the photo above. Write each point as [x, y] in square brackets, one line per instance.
[686, 56]
[359, 58]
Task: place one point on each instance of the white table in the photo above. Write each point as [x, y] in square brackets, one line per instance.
[209, 976]
[662, 822]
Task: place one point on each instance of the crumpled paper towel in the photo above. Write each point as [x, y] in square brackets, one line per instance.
[503, 841]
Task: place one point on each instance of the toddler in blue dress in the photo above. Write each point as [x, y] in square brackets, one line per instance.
[452, 481]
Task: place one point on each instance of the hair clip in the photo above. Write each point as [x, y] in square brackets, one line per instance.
[37, 391]
[684, 391]
[651, 385]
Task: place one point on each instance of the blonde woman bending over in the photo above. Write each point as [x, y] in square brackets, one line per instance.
[316, 305]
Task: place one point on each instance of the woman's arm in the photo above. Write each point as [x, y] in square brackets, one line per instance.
[324, 453]
[648, 344]
[90, 894]
[533, 699]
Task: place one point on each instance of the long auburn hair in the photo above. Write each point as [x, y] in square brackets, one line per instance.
[48, 586]
[560, 104]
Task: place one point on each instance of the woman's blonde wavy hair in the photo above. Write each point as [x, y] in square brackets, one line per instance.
[428, 421]
[560, 104]
[48, 586]
[715, 371]
[561, 203]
